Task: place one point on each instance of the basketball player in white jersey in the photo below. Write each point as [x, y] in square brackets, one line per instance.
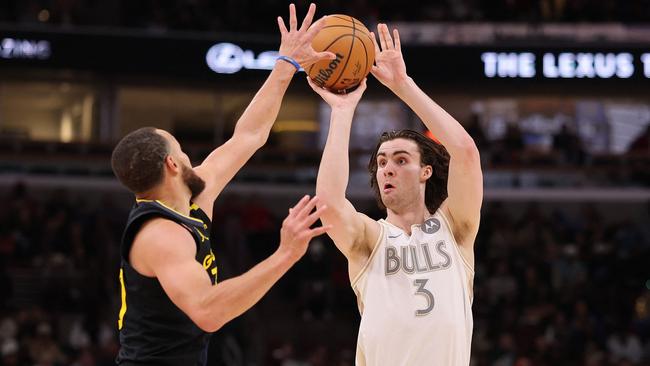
[413, 271]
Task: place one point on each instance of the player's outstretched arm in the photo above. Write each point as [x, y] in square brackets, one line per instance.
[465, 184]
[352, 231]
[253, 127]
[167, 250]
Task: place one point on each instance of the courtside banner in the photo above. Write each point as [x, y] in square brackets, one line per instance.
[235, 57]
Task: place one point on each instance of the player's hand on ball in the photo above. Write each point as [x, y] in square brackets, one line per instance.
[296, 42]
[296, 234]
[389, 68]
[337, 100]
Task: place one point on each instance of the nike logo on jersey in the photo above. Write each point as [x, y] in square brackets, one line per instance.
[395, 236]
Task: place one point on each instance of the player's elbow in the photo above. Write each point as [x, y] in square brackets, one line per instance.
[208, 321]
[467, 151]
[254, 138]
[326, 196]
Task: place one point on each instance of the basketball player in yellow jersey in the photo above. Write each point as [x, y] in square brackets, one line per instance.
[413, 271]
[171, 300]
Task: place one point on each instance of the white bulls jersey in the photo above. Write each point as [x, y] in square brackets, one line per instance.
[415, 298]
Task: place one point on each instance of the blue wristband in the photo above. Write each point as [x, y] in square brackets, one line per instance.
[291, 61]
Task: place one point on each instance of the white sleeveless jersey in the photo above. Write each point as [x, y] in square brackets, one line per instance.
[415, 298]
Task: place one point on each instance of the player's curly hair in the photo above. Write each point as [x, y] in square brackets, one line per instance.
[138, 159]
[431, 153]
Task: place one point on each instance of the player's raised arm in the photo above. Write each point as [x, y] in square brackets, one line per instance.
[352, 232]
[465, 182]
[253, 127]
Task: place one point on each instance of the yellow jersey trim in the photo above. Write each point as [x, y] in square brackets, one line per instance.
[120, 320]
[171, 209]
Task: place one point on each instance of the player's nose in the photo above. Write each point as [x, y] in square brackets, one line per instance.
[388, 170]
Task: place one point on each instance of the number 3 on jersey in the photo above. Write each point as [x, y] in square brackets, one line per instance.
[420, 283]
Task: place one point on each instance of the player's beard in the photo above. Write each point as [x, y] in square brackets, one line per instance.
[192, 181]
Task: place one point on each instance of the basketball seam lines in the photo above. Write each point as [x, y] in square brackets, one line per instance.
[351, 19]
[329, 45]
[354, 29]
[337, 26]
[347, 26]
[365, 71]
[341, 17]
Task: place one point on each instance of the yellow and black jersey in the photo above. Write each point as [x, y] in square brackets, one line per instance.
[153, 331]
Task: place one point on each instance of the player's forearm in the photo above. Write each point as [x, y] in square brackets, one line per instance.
[230, 298]
[334, 170]
[444, 127]
[261, 113]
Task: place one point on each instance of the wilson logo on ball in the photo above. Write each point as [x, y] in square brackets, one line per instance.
[324, 74]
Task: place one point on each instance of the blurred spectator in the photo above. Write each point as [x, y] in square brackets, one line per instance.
[43, 349]
[511, 147]
[567, 143]
[624, 345]
[641, 144]
[9, 352]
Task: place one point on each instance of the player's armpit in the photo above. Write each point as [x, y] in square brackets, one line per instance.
[353, 233]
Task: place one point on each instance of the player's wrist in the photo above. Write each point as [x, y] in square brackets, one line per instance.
[284, 70]
[289, 60]
[402, 84]
[344, 109]
[286, 256]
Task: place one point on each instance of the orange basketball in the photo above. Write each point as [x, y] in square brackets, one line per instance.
[352, 44]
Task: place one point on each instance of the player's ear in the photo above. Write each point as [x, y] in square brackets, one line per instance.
[170, 164]
[426, 172]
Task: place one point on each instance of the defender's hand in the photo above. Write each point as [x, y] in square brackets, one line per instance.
[296, 43]
[295, 234]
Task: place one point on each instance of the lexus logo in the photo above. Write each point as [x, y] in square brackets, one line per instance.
[12, 48]
[229, 58]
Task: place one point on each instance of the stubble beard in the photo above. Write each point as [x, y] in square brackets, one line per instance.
[194, 183]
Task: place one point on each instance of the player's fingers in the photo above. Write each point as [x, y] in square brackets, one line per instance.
[325, 55]
[314, 29]
[296, 209]
[308, 18]
[387, 38]
[293, 20]
[307, 208]
[283, 28]
[319, 231]
[382, 37]
[361, 88]
[398, 44]
[319, 90]
[311, 219]
[374, 41]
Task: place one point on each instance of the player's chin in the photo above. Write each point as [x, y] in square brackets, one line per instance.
[388, 200]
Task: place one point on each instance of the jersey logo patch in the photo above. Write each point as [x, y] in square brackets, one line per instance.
[431, 225]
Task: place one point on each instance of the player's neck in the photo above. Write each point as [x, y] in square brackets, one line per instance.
[407, 217]
[172, 197]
